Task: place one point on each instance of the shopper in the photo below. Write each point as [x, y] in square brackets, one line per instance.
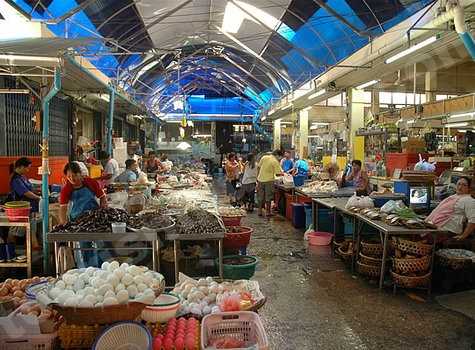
[301, 168]
[456, 213]
[287, 163]
[267, 169]
[79, 195]
[247, 191]
[130, 173]
[153, 164]
[111, 168]
[360, 178]
[232, 176]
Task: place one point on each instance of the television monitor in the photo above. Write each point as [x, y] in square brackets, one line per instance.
[419, 196]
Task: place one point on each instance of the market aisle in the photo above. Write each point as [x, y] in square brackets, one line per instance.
[315, 303]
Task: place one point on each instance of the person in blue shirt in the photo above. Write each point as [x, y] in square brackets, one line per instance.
[130, 173]
[301, 168]
[287, 163]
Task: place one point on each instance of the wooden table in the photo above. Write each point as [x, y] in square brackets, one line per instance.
[139, 236]
[27, 225]
[177, 238]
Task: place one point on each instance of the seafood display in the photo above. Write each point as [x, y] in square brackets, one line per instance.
[149, 219]
[231, 212]
[98, 220]
[320, 187]
[198, 221]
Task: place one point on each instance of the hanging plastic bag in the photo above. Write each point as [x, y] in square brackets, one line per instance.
[288, 180]
[390, 206]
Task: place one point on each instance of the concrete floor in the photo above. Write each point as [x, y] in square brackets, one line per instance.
[314, 302]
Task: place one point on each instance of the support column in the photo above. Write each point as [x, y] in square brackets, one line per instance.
[45, 165]
[431, 86]
[356, 121]
[277, 133]
[375, 102]
[110, 120]
[303, 144]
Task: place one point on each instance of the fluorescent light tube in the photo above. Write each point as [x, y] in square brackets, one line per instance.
[367, 84]
[271, 112]
[316, 94]
[456, 125]
[411, 121]
[287, 107]
[412, 49]
[320, 124]
[263, 118]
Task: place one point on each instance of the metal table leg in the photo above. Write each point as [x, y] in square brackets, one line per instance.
[154, 256]
[56, 258]
[28, 250]
[356, 237]
[383, 262]
[220, 258]
[176, 249]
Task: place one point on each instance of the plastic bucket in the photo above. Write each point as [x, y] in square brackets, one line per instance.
[238, 239]
[320, 238]
[299, 180]
[298, 215]
[238, 271]
[17, 213]
[231, 220]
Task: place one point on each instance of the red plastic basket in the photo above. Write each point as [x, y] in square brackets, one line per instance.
[238, 239]
[231, 220]
[18, 214]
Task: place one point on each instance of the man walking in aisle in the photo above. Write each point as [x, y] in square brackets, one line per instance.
[267, 169]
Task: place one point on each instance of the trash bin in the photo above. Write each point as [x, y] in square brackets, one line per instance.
[298, 215]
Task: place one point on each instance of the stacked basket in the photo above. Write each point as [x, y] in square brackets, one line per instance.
[411, 263]
[370, 258]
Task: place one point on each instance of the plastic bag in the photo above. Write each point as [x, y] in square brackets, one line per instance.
[391, 206]
[288, 180]
[423, 165]
[305, 235]
[359, 202]
[117, 199]
[353, 202]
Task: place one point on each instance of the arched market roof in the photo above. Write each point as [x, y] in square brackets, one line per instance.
[216, 56]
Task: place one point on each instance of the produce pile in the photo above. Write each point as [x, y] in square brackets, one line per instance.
[320, 187]
[207, 296]
[231, 212]
[112, 284]
[98, 220]
[178, 334]
[198, 221]
[150, 219]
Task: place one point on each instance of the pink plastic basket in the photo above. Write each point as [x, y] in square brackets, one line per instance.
[319, 238]
[243, 325]
[28, 342]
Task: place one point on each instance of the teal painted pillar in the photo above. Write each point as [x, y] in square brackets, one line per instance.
[45, 164]
[110, 120]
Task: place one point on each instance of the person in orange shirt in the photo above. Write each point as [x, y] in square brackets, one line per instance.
[232, 169]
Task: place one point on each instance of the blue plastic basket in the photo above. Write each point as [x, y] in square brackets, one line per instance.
[299, 180]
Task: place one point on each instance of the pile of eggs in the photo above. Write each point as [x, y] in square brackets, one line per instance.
[112, 284]
[179, 334]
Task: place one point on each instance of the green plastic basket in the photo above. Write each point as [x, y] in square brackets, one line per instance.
[238, 272]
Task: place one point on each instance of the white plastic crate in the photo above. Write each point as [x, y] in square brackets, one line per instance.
[245, 326]
[28, 342]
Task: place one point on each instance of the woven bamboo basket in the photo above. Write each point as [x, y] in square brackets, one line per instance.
[369, 270]
[368, 260]
[346, 256]
[412, 247]
[411, 281]
[77, 337]
[408, 266]
[371, 249]
[452, 262]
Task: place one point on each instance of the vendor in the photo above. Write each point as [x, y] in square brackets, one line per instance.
[166, 163]
[21, 188]
[301, 168]
[80, 194]
[456, 213]
[332, 170]
[287, 163]
[111, 168]
[153, 164]
[360, 178]
[130, 173]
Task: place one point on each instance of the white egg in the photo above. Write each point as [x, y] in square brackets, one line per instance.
[110, 301]
[119, 273]
[84, 277]
[91, 298]
[148, 291]
[85, 303]
[203, 304]
[112, 280]
[138, 296]
[211, 297]
[80, 292]
[60, 284]
[148, 278]
[206, 310]
[98, 304]
[122, 297]
[132, 290]
[146, 299]
[71, 301]
[103, 275]
[196, 311]
[113, 266]
[202, 282]
[105, 265]
[88, 290]
[141, 287]
[138, 279]
[65, 294]
[119, 287]
[215, 309]
[98, 282]
[90, 271]
[188, 288]
[69, 279]
[193, 305]
[209, 279]
[124, 266]
[99, 298]
[104, 288]
[204, 290]
[54, 292]
[78, 285]
[109, 294]
[127, 279]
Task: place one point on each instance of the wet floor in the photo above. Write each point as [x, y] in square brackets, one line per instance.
[314, 302]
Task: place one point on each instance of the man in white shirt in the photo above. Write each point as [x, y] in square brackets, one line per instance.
[111, 168]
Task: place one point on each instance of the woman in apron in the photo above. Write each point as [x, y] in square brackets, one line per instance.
[80, 194]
